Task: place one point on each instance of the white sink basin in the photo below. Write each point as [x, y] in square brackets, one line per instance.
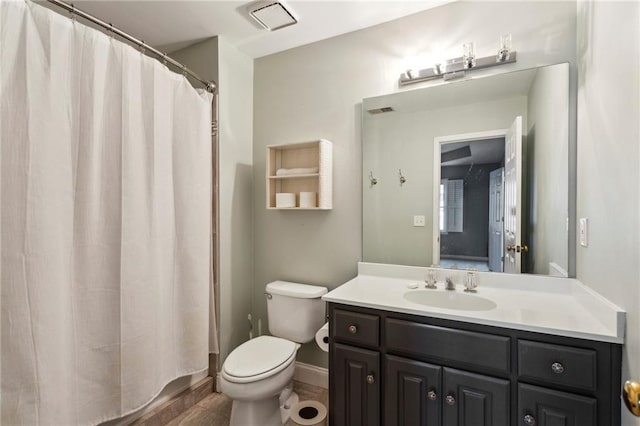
[450, 300]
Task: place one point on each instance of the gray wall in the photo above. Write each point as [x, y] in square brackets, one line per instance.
[315, 91]
[217, 59]
[608, 158]
[202, 58]
[547, 157]
[236, 174]
[474, 239]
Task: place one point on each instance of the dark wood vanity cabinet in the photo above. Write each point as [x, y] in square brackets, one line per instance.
[357, 386]
[395, 369]
[418, 393]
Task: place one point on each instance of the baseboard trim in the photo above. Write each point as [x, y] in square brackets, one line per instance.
[311, 375]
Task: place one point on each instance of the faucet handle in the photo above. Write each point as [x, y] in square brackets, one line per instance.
[431, 278]
[471, 282]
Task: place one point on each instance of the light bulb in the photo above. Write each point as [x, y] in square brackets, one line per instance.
[469, 55]
[505, 47]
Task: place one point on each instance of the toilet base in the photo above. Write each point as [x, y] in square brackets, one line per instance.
[265, 412]
[286, 406]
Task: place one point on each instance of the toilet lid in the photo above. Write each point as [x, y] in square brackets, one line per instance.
[258, 356]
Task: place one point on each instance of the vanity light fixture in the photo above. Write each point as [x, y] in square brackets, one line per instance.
[411, 73]
[458, 67]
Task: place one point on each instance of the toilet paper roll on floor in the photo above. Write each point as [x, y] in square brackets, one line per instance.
[322, 337]
[309, 413]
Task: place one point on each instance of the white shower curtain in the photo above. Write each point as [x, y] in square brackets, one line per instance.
[106, 204]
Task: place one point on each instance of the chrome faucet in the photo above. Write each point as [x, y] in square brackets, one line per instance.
[449, 284]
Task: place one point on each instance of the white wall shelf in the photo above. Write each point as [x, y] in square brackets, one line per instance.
[303, 155]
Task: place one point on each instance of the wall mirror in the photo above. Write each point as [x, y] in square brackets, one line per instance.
[470, 174]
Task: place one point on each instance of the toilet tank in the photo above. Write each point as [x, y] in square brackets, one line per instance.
[295, 311]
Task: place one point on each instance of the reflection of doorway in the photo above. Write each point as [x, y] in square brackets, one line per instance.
[463, 169]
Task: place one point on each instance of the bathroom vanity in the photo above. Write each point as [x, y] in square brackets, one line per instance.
[547, 352]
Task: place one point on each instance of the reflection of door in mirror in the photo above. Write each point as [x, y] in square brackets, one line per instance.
[496, 219]
[464, 165]
[513, 198]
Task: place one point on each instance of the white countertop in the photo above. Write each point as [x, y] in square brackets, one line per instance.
[559, 306]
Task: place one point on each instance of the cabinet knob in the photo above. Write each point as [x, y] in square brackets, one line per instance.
[370, 379]
[529, 420]
[432, 395]
[353, 329]
[557, 368]
[450, 400]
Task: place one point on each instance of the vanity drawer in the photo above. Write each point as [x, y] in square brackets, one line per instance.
[354, 327]
[448, 345]
[556, 364]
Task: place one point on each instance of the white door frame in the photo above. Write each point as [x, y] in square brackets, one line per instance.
[438, 141]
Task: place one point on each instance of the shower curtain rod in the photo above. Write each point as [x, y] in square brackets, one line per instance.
[210, 85]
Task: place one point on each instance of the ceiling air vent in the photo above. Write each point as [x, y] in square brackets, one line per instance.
[272, 15]
[380, 110]
[455, 154]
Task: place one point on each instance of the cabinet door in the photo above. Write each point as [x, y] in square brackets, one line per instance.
[546, 407]
[474, 400]
[357, 386]
[412, 392]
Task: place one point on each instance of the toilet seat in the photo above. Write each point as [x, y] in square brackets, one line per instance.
[259, 359]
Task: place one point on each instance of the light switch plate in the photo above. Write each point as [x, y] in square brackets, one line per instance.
[584, 231]
[418, 220]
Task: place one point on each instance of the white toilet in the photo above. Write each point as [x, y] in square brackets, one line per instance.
[257, 372]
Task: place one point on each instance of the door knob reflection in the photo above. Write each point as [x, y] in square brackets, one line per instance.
[518, 249]
[631, 396]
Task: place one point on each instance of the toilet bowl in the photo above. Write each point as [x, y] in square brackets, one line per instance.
[259, 373]
[254, 375]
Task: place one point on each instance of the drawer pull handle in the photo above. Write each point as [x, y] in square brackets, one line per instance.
[353, 329]
[450, 400]
[432, 395]
[557, 368]
[370, 379]
[529, 420]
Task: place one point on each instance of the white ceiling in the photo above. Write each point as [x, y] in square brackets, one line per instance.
[171, 25]
[485, 151]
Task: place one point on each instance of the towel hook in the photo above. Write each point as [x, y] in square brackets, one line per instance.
[372, 180]
[402, 178]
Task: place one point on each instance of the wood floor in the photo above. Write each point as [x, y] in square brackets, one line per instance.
[215, 409]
